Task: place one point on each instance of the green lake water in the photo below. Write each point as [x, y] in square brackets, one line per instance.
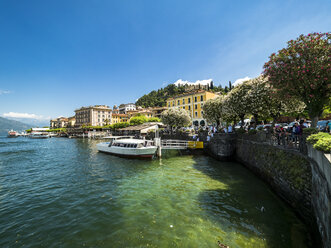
[62, 193]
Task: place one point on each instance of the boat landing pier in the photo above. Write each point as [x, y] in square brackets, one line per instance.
[170, 144]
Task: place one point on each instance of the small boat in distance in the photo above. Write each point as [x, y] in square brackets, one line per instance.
[131, 148]
[12, 134]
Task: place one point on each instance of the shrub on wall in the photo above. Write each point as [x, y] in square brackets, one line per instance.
[321, 141]
[323, 145]
[312, 139]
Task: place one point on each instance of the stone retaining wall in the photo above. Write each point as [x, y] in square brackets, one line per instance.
[321, 192]
[304, 182]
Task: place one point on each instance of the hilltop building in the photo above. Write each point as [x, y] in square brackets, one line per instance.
[192, 102]
[124, 108]
[157, 111]
[97, 115]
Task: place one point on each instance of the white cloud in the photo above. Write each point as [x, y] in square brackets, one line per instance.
[201, 82]
[25, 116]
[240, 81]
[4, 92]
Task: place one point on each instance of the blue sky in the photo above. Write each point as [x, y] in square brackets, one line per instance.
[56, 56]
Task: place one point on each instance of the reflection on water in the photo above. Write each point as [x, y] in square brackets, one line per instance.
[62, 192]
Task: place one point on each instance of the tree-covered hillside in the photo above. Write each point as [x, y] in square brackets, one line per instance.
[6, 125]
[157, 98]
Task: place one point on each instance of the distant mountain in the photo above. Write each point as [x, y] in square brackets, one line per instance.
[6, 125]
[31, 122]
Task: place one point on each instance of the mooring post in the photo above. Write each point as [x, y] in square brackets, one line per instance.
[157, 142]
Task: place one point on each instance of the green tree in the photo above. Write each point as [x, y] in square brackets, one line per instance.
[138, 120]
[120, 125]
[107, 122]
[302, 70]
[154, 119]
[277, 105]
[176, 117]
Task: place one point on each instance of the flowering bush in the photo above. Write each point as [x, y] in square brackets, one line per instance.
[257, 98]
[302, 70]
[213, 110]
[234, 104]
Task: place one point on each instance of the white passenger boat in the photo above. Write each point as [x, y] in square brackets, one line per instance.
[38, 135]
[12, 134]
[133, 148]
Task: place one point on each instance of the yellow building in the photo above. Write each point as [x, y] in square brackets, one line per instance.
[117, 118]
[146, 112]
[192, 102]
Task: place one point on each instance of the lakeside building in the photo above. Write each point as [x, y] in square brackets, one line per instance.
[97, 115]
[117, 118]
[115, 110]
[124, 108]
[71, 121]
[192, 102]
[62, 122]
[59, 122]
[157, 111]
[148, 112]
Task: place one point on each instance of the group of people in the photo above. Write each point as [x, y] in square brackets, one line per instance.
[293, 134]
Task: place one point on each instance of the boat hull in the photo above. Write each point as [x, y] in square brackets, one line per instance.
[145, 156]
[38, 137]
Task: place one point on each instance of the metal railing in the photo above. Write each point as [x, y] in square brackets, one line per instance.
[174, 144]
[289, 141]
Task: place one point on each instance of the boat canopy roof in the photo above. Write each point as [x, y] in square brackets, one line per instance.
[132, 141]
[118, 137]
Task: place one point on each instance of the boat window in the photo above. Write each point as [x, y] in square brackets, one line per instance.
[135, 145]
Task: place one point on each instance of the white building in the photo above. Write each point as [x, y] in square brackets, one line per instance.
[123, 108]
[97, 115]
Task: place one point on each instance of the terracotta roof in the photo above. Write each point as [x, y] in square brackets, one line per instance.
[120, 115]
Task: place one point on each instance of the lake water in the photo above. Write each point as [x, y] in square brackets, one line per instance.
[61, 192]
